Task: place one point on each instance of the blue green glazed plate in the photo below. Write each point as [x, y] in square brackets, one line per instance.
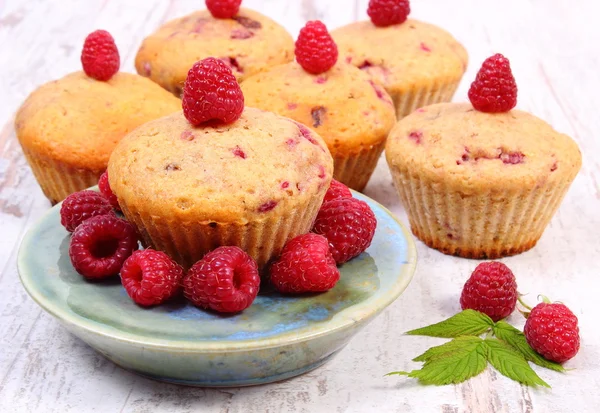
[278, 337]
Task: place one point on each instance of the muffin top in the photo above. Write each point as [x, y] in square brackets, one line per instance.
[342, 105]
[78, 120]
[248, 43]
[456, 144]
[402, 55]
[238, 172]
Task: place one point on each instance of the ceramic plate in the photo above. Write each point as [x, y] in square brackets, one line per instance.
[276, 338]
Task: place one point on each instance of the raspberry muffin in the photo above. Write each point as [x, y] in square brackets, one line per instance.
[481, 180]
[68, 128]
[248, 42]
[254, 183]
[418, 63]
[352, 113]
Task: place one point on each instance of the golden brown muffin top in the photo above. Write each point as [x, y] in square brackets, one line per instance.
[401, 55]
[248, 43]
[222, 173]
[453, 142]
[342, 105]
[79, 120]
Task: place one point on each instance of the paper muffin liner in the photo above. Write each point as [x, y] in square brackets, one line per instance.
[57, 179]
[418, 96]
[187, 241]
[355, 170]
[485, 225]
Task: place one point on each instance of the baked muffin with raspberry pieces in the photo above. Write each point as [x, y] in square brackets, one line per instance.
[418, 63]
[219, 174]
[481, 180]
[68, 127]
[247, 41]
[342, 104]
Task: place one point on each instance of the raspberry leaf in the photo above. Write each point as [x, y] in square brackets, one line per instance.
[465, 323]
[453, 362]
[511, 363]
[440, 351]
[516, 339]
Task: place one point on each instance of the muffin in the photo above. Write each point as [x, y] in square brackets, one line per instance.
[343, 105]
[254, 183]
[418, 63]
[479, 185]
[249, 43]
[68, 128]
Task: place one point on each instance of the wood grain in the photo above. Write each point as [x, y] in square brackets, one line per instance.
[553, 49]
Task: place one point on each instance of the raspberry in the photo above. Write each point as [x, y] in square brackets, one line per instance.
[223, 9]
[388, 12]
[494, 89]
[104, 187]
[100, 246]
[551, 330]
[316, 51]
[80, 206]
[305, 265]
[211, 92]
[151, 277]
[100, 56]
[337, 190]
[225, 280]
[349, 226]
[491, 289]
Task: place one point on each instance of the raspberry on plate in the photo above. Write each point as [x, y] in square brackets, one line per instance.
[552, 330]
[305, 265]
[100, 246]
[223, 9]
[388, 12]
[494, 89]
[80, 206]
[316, 51]
[349, 226]
[151, 277]
[225, 280]
[491, 289]
[100, 56]
[337, 190]
[211, 92]
[105, 190]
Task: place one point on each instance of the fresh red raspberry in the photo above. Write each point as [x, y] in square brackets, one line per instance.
[223, 9]
[494, 89]
[100, 56]
[305, 265]
[388, 12]
[225, 280]
[151, 277]
[211, 91]
[349, 226]
[81, 206]
[105, 190]
[316, 51]
[491, 289]
[552, 330]
[100, 246]
[337, 190]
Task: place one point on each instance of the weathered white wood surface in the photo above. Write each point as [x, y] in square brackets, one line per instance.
[553, 47]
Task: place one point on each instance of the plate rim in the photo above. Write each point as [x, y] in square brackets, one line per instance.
[345, 321]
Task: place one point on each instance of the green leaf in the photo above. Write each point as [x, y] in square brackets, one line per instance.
[511, 363]
[453, 362]
[516, 339]
[465, 323]
[440, 351]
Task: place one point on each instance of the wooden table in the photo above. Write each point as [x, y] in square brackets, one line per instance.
[553, 47]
